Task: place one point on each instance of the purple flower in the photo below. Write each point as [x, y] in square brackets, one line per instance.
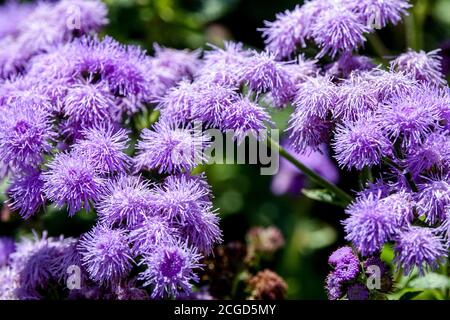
[355, 98]
[422, 66]
[401, 204]
[290, 179]
[307, 132]
[357, 291]
[347, 270]
[433, 199]
[105, 147]
[348, 63]
[409, 118]
[26, 193]
[338, 30]
[433, 153]
[7, 246]
[341, 256]
[9, 283]
[360, 144]
[288, 31]
[89, 104]
[333, 286]
[245, 118]
[389, 84]
[169, 149]
[151, 233]
[25, 135]
[381, 12]
[170, 270]
[376, 262]
[370, 224]
[177, 106]
[12, 15]
[316, 96]
[301, 70]
[71, 179]
[185, 201]
[105, 254]
[125, 201]
[419, 247]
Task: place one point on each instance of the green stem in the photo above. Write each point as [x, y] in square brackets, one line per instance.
[314, 177]
[378, 46]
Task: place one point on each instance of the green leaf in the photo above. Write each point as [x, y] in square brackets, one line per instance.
[430, 281]
[410, 295]
[322, 195]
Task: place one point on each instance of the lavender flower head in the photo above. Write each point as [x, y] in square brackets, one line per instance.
[379, 13]
[170, 149]
[105, 254]
[433, 199]
[170, 270]
[125, 201]
[419, 247]
[105, 148]
[422, 66]
[71, 179]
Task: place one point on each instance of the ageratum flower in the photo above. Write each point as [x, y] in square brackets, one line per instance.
[89, 104]
[341, 255]
[378, 13]
[316, 96]
[26, 193]
[301, 70]
[401, 204]
[185, 201]
[389, 84]
[9, 283]
[104, 147]
[12, 15]
[333, 286]
[170, 270]
[409, 118]
[25, 135]
[169, 149]
[105, 254]
[125, 201]
[355, 98]
[288, 31]
[370, 224]
[357, 291]
[338, 30]
[245, 118]
[433, 153]
[434, 198]
[151, 233]
[360, 144]
[7, 246]
[307, 132]
[422, 66]
[419, 247]
[72, 179]
[348, 63]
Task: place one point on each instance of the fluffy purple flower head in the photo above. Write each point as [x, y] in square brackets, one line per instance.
[333, 286]
[26, 193]
[263, 73]
[348, 63]
[67, 259]
[419, 247]
[170, 270]
[316, 96]
[177, 106]
[287, 32]
[409, 118]
[25, 135]
[433, 199]
[375, 261]
[89, 104]
[379, 13]
[9, 283]
[422, 66]
[105, 147]
[105, 254]
[355, 98]
[307, 132]
[169, 149]
[213, 101]
[338, 30]
[370, 224]
[433, 153]
[301, 70]
[347, 271]
[12, 15]
[32, 260]
[125, 201]
[151, 233]
[401, 205]
[357, 291]
[186, 202]
[341, 255]
[177, 64]
[7, 246]
[360, 144]
[245, 118]
[389, 84]
[71, 179]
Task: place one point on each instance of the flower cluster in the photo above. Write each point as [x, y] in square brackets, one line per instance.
[336, 26]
